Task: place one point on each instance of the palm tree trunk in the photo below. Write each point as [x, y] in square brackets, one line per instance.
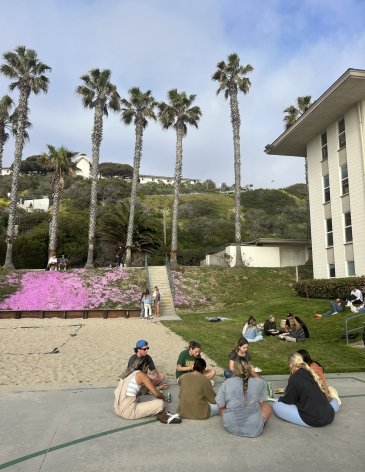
[97, 137]
[236, 122]
[19, 144]
[55, 212]
[136, 166]
[2, 142]
[178, 172]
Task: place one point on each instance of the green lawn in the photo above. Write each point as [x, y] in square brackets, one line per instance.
[278, 298]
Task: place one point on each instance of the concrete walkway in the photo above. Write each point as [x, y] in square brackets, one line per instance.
[77, 430]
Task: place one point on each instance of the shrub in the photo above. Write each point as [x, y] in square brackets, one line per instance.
[328, 288]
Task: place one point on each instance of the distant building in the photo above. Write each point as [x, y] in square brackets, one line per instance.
[5, 171]
[263, 252]
[331, 135]
[83, 164]
[145, 179]
[31, 204]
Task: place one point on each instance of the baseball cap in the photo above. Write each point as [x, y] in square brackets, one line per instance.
[141, 343]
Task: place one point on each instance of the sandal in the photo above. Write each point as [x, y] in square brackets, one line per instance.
[167, 417]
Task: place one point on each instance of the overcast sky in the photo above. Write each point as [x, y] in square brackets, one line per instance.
[296, 47]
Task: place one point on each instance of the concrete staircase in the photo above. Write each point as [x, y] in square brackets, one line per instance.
[158, 278]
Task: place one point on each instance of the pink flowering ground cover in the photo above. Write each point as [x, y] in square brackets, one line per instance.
[74, 290]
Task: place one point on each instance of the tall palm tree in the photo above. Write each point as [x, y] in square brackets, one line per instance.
[23, 66]
[232, 79]
[294, 112]
[6, 106]
[138, 109]
[178, 113]
[59, 160]
[100, 94]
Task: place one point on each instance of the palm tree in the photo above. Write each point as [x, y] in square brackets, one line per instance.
[294, 112]
[6, 105]
[100, 94]
[23, 66]
[60, 160]
[232, 78]
[139, 109]
[178, 112]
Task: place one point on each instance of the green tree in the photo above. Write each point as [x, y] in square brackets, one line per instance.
[178, 113]
[232, 79]
[22, 66]
[138, 109]
[60, 161]
[293, 112]
[100, 94]
[6, 106]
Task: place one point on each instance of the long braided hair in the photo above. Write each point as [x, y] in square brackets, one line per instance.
[296, 360]
[242, 369]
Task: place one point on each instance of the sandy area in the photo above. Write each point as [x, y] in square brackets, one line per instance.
[91, 352]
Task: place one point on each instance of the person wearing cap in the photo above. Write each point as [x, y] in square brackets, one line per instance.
[141, 351]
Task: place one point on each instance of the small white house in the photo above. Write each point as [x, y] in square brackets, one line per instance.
[263, 252]
[145, 179]
[83, 164]
[5, 171]
[31, 204]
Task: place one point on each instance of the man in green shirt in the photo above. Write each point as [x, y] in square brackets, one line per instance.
[185, 362]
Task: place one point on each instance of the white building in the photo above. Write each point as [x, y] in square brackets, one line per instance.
[144, 179]
[263, 252]
[83, 164]
[331, 135]
[31, 204]
[5, 171]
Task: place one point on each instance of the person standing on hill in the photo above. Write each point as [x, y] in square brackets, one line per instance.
[156, 300]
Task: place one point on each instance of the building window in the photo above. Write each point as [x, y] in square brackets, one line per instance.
[344, 179]
[329, 232]
[326, 188]
[324, 145]
[348, 227]
[332, 270]
[351, 268]
[341, 134]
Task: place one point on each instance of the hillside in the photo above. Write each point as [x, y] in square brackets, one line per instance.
[206, 219]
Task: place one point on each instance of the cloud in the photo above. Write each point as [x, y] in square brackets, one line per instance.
[296, 48]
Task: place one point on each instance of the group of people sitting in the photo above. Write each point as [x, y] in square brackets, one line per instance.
[57, 263]
[241, 399]
[338, 306]
[294, 329]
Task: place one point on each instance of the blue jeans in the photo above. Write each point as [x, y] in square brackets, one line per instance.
[214, 409]
[227, 374]
[335, 308]
[290, 412]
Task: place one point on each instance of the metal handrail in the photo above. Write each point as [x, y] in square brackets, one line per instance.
[171, 280]
[147, 273]
[352, 330]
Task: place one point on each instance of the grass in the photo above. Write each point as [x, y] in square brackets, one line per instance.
[238, 293]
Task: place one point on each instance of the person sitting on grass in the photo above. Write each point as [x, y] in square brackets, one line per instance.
[252, 333]
[336, 307]
[185, 362]
[289, 316]
[295, 334]
[270, 328]
[356, 296]
[240, 351]
[196, 395]
[240, 401]
[127, 402]
[305, 402]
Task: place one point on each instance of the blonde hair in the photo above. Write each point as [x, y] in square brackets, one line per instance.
[242, 369]
[296, 360]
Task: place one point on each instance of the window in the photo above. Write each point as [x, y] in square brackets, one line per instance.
[348, 227]
[341, 134]
[344, 179]
[332, 270]
[329, 232]
[326, 188]
[324, 145]
[351, 268]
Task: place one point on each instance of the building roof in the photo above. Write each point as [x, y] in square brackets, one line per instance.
[332, 105]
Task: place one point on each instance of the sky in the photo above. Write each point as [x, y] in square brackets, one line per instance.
[296, 47]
